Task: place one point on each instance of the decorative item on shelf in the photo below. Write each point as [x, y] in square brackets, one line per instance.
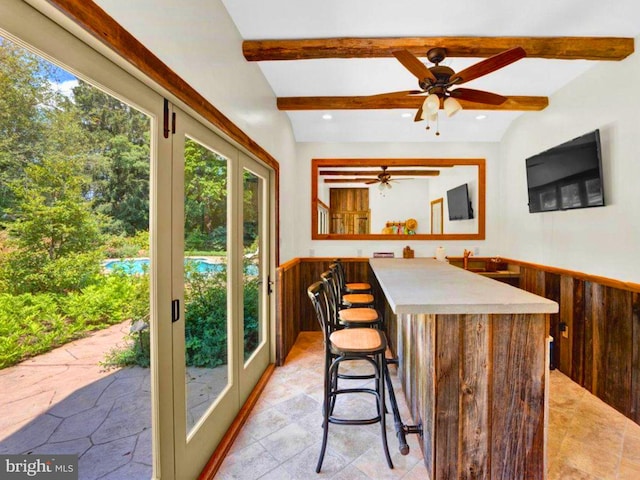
[440, 254]
[411, 225]
[383, 255]
[407, 252]
[395, 228]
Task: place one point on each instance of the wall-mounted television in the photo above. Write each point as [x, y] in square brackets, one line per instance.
[458, 203]
[567, 176]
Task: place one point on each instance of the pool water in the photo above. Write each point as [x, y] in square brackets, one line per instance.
[136, 266]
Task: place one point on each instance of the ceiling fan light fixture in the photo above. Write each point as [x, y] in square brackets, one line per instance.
[431, 104]
[451, 106]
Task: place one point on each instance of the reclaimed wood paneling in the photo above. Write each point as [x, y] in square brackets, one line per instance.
[578, 333]
[635, 362]
[532, 280]
[294, 312]
[447, 403]
[552, 292]
[517, 425]
[287, 308]
[477, 384]
[563, 338]
[474, 402]
[613, 384]
[588, 335]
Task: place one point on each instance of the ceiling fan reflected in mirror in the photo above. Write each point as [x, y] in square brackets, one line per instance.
[384, 180]
[437, 82]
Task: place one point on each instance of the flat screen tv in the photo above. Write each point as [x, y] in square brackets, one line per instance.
[459, 204]
[567, 176]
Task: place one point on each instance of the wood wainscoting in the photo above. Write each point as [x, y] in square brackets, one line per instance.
[601, 350]
[596, 332]
[294, 310]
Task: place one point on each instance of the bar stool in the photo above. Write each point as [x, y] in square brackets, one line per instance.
[366, 344]
[348, 317]
[351, 287]
[367, 317]
[349, 300]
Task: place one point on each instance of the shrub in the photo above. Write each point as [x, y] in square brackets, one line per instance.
[115, 298]
[120, 246]
[32, 324]
[25, 271]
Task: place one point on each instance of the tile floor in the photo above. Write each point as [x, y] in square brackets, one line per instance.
[281, 439]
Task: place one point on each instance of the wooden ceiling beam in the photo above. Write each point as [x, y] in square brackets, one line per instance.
[376, 102]
[564, 48]
[349, 180]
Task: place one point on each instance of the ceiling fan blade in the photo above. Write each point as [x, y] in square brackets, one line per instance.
[478, 96]
[488, 65]
[414, 65]
[369, 182]
[418, 116]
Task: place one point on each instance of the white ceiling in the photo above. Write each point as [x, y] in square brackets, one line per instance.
[282, 19]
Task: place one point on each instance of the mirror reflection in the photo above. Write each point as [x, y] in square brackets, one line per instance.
[404, 198]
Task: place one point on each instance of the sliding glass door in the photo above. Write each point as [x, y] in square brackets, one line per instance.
[219, 258]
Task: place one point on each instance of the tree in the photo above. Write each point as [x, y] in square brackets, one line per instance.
[24, 92]
[205, 198]
[55, 234]
[120, 147]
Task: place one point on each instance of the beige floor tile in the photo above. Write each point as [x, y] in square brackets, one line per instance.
[588, 440]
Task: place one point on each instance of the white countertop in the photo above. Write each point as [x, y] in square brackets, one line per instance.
[425, 285]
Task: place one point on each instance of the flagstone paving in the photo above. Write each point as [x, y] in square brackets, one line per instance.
[64, 402]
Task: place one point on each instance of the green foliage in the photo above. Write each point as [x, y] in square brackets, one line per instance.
[135, 354]
[251, 316]
[116, 298]
[205, 198]
[120, 246]
[24, 89]
[35, 323]
[206, 319]
[26, 271]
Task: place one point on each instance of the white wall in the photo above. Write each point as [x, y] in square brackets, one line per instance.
[407, 198]
[452, 178]
[342, 248]
[601, 241]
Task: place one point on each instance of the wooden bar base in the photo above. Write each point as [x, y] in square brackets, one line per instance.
[477, 384]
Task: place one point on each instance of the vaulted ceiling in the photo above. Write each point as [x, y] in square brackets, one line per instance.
[332, 58]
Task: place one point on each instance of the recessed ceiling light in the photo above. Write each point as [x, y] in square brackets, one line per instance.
[327, 116]
[405, 115]
[480, 117]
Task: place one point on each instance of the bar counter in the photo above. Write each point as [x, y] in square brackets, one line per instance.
[473, 362]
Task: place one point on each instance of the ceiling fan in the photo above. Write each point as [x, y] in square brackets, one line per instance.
[383, 179]
[437, 81]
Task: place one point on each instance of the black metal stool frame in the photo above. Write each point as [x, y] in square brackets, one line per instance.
[333, 358]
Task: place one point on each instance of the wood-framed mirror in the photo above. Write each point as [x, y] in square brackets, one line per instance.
[393, 198]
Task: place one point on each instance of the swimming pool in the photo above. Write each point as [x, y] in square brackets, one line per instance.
[136, 266]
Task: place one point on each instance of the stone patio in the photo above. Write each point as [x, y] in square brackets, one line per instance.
[64, 402]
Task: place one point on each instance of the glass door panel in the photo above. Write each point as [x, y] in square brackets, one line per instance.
[205, 372]
[252, 293]
[255, 273]
[205, 278]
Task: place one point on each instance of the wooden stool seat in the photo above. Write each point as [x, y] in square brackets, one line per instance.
[357, 299]
[358, 314]
[357, 287]
[358, 340]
